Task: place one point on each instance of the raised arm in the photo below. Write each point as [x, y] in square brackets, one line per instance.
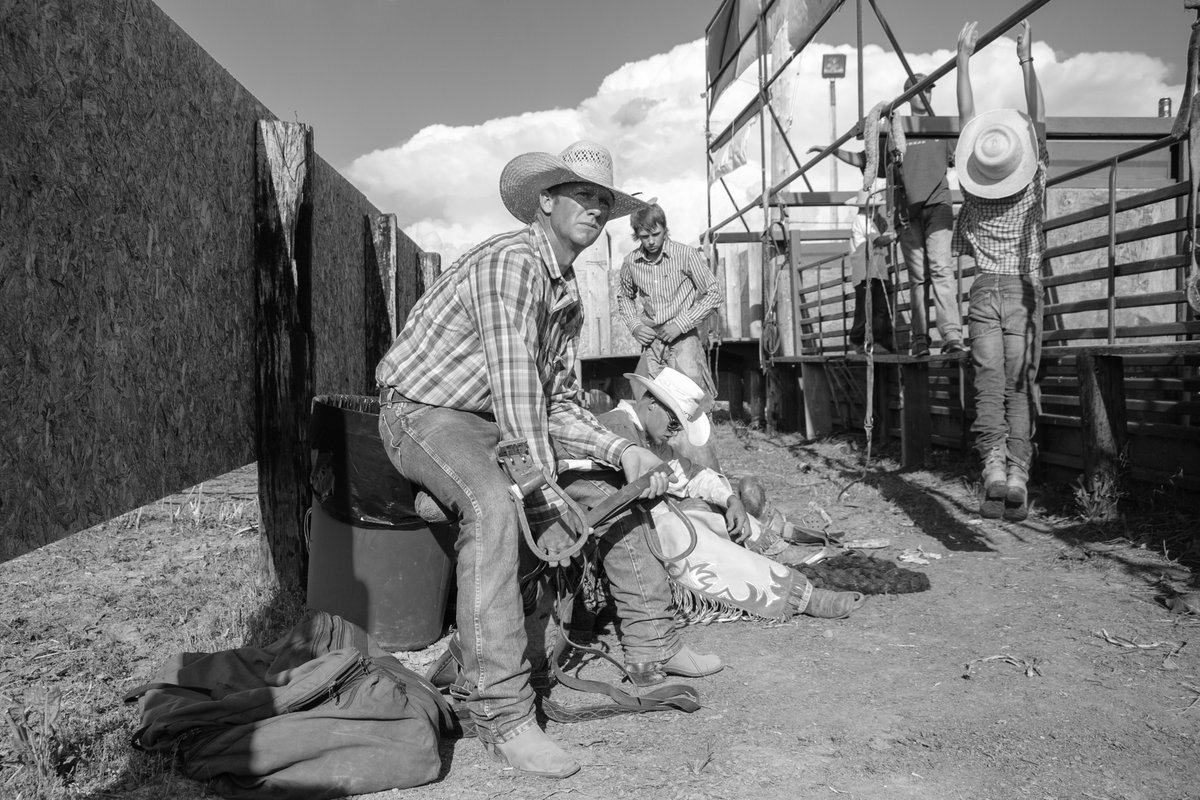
[852, 157]
[1033, 89]
[967, 39]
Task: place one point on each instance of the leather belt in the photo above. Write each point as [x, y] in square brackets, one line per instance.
[391, 395]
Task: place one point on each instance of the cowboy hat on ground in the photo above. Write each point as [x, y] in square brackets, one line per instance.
[529, 174]
[997, 153]
[684, 398]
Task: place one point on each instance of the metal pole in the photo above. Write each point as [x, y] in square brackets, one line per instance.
[833, 132]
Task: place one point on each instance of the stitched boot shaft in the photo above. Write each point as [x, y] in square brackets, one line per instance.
[994, 484]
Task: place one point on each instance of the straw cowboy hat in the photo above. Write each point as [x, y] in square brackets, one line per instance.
[997, 153]
[686, 400]
[527, 175]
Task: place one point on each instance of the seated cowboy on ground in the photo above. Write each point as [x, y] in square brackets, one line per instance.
[488, 355]
[715, 576]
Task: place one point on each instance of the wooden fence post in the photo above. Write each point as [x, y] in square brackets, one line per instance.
[283, 340]
[1102, 413]
[430, 267]
[381, 322]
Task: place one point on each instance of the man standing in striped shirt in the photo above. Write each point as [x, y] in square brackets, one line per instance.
[667, 292]
[488, 354]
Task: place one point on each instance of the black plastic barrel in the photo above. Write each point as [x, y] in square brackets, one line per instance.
[372, 559]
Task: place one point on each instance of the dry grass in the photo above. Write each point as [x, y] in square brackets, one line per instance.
[84, 620]
[178, 575]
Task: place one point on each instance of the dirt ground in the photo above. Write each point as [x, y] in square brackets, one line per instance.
[1038, 665]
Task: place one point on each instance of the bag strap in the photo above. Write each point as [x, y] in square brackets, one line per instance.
[136, 694]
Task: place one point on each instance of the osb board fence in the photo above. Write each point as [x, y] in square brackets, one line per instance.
[1061, 202]
[126, 239]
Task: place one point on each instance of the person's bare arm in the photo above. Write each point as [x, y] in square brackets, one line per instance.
[851, 157]
[1033, 89]
[967, 39]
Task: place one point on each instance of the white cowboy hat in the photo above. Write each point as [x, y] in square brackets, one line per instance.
[997, 153]
[686, 400]
[527, 175]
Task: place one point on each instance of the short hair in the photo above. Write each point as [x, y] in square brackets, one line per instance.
[647, 217]
[914, 79]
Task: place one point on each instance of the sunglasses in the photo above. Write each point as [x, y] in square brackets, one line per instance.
[673, 424]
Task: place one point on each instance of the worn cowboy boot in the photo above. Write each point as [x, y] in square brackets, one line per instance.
[994, 484]
[825, 604]
[534, 753]
[1016, 495]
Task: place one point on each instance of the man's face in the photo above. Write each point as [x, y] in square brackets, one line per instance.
[578, 213]
[652, 240]
[919, 105]
[659, 421]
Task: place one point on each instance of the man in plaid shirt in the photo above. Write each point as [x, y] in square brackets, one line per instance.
[667, 292]
[1002, 162]
[488, 354]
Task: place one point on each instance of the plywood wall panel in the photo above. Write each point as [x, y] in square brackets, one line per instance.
[126, 266]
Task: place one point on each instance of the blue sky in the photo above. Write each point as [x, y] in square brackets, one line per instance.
[420, 102]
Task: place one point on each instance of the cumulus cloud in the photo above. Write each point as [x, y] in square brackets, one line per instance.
[442, 183]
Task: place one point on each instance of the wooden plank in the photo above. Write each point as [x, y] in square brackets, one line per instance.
[1148, 299]
[729, 389]
[735, 299]
[756, 395]
[915, 422]
[1125, 332]
[753, 319]
[1130, 349]
[1102, 410]
[283, 210]
[1123, 237]
[1158, 264]
[817, 397]
[882, 406]
[429, 267]
[756, 238]
[1123, 204]
[719, 269]
[381, 311]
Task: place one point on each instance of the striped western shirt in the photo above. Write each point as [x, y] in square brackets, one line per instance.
[680, 288]
[1005, 235]
[497, 333]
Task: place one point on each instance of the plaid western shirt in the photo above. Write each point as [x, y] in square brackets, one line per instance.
[497, 333]
[1005, 234]
[680, 288]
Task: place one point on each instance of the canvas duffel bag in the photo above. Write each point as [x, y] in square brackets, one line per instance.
[323, 712]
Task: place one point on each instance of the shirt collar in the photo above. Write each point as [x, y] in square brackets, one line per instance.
[542, 243]
[666, 253]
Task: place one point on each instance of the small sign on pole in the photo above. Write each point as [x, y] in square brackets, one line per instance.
[833, 65]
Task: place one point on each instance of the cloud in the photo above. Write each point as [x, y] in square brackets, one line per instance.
[442, 183]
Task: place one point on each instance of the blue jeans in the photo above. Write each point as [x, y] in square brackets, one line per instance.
[1006, 344]
[637, 580]
[925, 244]
[687, 355]
[452, 454]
